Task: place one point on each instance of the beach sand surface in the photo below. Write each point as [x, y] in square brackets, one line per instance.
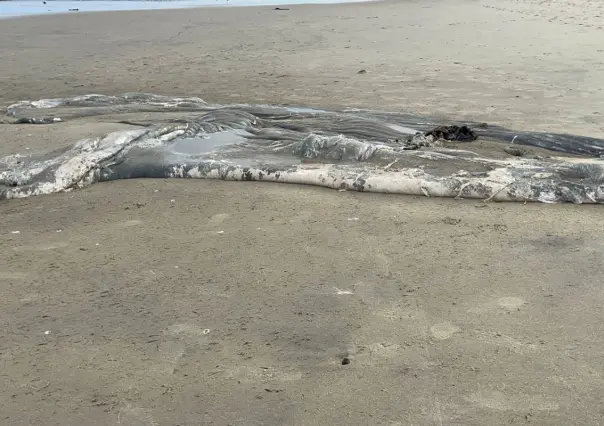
[527, 65]
[188, 302]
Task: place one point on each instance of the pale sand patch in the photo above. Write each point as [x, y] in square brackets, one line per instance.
[444, 331]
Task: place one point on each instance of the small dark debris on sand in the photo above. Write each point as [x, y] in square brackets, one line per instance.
[453, 133]
[135, 123]
[362, 72]
[37, 120]
[451, 221]
[280, 8]
[515, 151]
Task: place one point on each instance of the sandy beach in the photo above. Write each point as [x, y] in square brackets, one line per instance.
[189, 302]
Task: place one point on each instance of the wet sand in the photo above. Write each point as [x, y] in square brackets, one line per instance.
[191, 302]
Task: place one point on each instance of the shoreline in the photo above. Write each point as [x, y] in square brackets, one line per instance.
[112, 5]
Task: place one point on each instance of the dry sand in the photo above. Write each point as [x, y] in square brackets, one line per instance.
[191, 302]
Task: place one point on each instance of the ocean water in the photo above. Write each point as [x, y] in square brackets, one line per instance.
[352, 150]
[15, 8]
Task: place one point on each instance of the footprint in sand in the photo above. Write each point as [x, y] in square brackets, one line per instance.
[444, 330]
[510, 302]
[217, 219]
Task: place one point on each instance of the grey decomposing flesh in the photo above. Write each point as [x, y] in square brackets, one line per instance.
[350, 149]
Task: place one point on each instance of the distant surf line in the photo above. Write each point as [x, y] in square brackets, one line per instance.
[20, 8]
